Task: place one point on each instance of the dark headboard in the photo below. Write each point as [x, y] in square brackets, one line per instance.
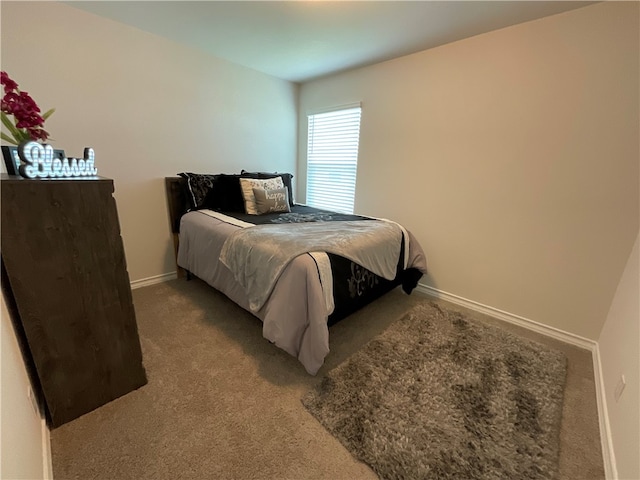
[176, 200]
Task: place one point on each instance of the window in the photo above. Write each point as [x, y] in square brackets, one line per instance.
[332, 159]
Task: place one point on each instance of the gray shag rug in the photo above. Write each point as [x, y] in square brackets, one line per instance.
[441, 396]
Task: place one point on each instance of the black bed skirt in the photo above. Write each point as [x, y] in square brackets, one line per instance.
[355, 287]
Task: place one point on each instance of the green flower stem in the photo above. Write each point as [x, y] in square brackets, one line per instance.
[7, 138]
[19, 134]
[48, 113]
[7, 123]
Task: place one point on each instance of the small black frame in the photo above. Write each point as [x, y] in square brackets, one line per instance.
[12, 159]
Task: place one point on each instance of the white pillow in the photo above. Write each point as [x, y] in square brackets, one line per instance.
[248, 184]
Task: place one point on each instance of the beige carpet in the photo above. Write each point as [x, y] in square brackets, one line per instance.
[224, 403]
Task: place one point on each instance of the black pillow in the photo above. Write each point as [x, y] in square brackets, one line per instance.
[226, 194]
[198, 186]
[286, 180]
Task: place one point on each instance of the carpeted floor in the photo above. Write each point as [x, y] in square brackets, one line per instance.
[223, 403]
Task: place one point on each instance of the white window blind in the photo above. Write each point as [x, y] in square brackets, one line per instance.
[332, 159]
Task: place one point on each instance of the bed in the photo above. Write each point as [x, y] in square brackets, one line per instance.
[296, 268]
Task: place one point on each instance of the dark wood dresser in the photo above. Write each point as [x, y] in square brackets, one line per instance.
[65, 280]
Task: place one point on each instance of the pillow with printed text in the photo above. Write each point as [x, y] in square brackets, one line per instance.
[248, 184]
[271, 201]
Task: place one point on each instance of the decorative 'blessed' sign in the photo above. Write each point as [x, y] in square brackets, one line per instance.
[38, 162]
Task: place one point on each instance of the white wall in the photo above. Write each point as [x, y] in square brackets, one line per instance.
[149, 107]
[22, 436]
[513, 157]
[619, 347]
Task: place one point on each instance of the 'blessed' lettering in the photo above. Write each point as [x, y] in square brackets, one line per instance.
[38, 162]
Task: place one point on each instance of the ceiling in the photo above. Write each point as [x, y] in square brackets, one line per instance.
[303, 40]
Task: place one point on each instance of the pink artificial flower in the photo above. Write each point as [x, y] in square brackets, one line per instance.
[9, 85]
[38, 133]
[24, 109]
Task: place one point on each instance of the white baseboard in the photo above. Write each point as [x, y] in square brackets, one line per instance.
[608, 455]
[145, 282]
[47, 464]
[552, 332]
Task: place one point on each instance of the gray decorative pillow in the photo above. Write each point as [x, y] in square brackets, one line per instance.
[286, 180]
[248, 184]
[270, 201]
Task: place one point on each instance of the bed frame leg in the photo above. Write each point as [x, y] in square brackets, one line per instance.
[189, 276]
